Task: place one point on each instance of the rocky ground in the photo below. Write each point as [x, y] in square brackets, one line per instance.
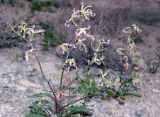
[19, 79]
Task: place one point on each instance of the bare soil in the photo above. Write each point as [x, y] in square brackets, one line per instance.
[19, 79]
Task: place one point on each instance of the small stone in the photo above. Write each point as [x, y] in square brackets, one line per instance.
[136, 68]
[156, 91]
[21, 89]
[139, 113]
[92, 103]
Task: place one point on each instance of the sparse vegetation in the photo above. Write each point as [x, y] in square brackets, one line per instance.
[26, 34]
[39, 5]
[153, 66]
[45, 5]
[150, 18]
[92, 62]
[10, 2]
[51, 39]
[85, 84]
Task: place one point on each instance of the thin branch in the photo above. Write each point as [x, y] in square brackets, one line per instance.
[61, 81]
[73, 102]
[55, 98]
[62, 73]
[71, 82]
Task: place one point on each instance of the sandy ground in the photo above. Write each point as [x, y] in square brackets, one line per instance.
[19, 80]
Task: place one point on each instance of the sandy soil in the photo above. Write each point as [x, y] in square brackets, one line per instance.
[19, 79]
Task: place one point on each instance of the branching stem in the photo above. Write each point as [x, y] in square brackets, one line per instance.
[62, 73]
[73, 102]
[55, 97]
[70, 83]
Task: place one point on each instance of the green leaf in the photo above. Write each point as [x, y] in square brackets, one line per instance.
[82, 110]
[34, 115]
[121, 91]
[73, 89]
[133, 94]
[59, 114]
[153, 66]
[51, 38]
[37, 109]
[111, 92]
[88, 86]
[52, 106]
[46, 94]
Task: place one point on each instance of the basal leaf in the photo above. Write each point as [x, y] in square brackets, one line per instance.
[34, 115]
[82, 110]
[46, 94]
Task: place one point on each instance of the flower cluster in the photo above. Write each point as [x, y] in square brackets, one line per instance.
[65, 48]
[81, 37]
[83, 40]
[80, 15]
[23, 30]
[109, 81]
[98, 46]
[27, 33]
[70, 63]
[98, 55]
[129, 31]
[134, 28]
[123, 58]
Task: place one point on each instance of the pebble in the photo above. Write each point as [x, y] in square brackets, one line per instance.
[139, 113]
[156, 91]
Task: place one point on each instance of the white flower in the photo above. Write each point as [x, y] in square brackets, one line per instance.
[136, 28]
[70, 63]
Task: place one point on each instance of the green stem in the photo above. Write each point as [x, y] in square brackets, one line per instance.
[61, 81]
[62, 73]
